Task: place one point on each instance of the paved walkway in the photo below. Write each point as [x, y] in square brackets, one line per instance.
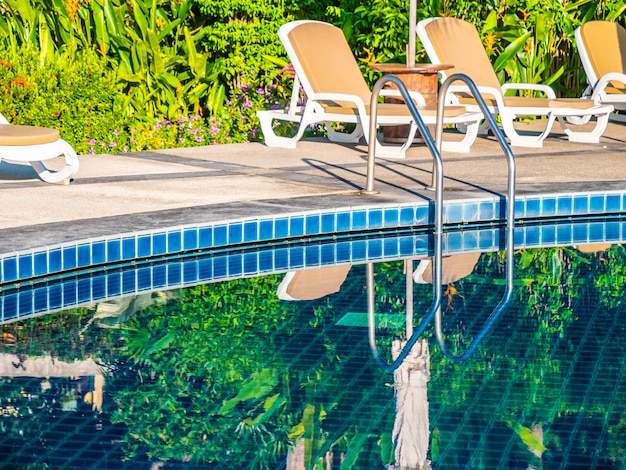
[124, 193]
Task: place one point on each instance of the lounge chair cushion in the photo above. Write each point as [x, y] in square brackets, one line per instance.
[16, 135]
[391, 109]
[606, 47]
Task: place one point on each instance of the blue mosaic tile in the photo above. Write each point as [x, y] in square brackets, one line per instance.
[235, 234]
[328, 223]
[422, 244]
[581, 204]
[144, 246]
[375, 219]
[159, 244]
[205, 269]
[266, 261]
[84, 290]
[564, 205]
[548, 207]
[486, 239]
[423, 215]
[390, 247]
[40, 263]
[612, 231]
[596, 204]
[98, 252]
[220, 236]
[40, 299]
[296, 257]
[533, 207]
[69, 257]
[486, 211]
[113, 251]
[533, 236]
[296, 227]
[391, 217]
[311, 255]
[454, 242]
[190, 272]
[406, 216]
[114, 284]
[406, 246]
[25, 266]
[343, 250]
[266, 230]
[374, 249]
[250, 231]
[596, 232]
[281, 228]
[327, 254]
[359, 250]
[25, 303]
[128, 248]
[235, 265]
[84, 255]
[69, 293]
[470, 240]
[579, 234]
[159, 276]
[55, 296]
[9, 307]
[281, 259]
[174, 274]
[613, 203]
[190, 239]
[174, 242]
[359, 220]
[454, 214]
[99, 287]
[519, 209]
[144, 278]
[250, 263]
[564, 234]
[129, 283]
[343, 222]
[548, 235]
[470, 211]
[205, 237]
[312, 224]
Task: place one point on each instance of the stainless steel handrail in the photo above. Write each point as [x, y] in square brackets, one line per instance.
[434, 148]
[510, 217]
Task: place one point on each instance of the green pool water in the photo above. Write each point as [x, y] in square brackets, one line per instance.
[233, 375]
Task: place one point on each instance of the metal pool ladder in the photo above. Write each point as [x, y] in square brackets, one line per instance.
[434, 148]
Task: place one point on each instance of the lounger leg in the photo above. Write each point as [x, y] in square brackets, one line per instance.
[267, 119]
[463, 146]
[396, 151]
[516, 139]
[589, 137]
[64, 175]
[344, 137]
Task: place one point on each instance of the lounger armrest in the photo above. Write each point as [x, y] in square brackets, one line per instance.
[606, 80]
[415, 95]
[548, 91]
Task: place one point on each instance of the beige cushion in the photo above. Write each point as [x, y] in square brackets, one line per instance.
[605, 43]
[528, 102]
[456, 42]
[16, 135]
[391, 109]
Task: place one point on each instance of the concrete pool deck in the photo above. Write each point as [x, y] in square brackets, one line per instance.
[125, 193]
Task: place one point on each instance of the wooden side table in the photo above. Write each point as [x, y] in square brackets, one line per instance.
[422, 78]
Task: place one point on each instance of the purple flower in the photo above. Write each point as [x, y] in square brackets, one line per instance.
[198, 138]
[214, 130]
[92, 151]
[116, 132]
[92, 142]
[260, 91]
[113, 144]
[181, 139]
[158, 126]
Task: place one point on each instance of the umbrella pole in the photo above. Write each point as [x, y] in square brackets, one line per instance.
[410, 53]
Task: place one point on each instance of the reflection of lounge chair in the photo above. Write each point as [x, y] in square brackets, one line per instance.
[453, 268]
[312, 284]
[33, 145]
[593, 247]
[337, 92]
[602, 49]
[456, 42]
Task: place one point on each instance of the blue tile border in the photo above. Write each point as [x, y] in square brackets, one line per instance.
[88, 254]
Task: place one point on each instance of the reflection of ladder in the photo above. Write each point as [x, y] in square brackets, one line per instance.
[434, 147]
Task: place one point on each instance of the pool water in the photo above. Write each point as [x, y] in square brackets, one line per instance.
[276, 371]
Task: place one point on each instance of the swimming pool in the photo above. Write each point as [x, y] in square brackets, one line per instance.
[205, 359]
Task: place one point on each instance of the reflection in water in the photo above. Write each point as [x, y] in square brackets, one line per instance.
[228, 375]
